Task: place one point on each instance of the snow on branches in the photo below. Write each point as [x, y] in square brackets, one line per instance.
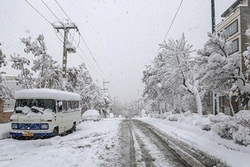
[80, 81]
[5, 89]
[246, 55]
[25, 78]
[172, 73]
[49, 72]
[217, 66]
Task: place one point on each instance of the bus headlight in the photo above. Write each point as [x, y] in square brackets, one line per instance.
[14, 126]
[44, 126]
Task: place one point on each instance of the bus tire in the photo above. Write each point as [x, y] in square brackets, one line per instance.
[74, 127]
[55, 131]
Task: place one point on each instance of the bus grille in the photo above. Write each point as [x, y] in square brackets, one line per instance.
[28, 126]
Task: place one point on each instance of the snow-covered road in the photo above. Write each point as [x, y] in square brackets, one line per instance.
[147, 146]
[118, 142]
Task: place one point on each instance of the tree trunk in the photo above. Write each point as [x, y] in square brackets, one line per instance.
[194, 90]
[198, 103]
[231, 106]
[174, 100]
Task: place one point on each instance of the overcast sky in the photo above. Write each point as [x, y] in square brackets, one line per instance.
[122, 35]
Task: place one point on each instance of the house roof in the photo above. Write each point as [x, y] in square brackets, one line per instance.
[231, 8]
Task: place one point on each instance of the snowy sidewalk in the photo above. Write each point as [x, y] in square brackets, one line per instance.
[233, 154]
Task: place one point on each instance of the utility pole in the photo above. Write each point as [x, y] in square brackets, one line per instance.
[215, 94]
[115, 97]
[103, 84]
[67, 47]
[138, 100]
[213, 15]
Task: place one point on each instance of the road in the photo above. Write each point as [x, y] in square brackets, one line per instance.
[142, 145]
[107, 143]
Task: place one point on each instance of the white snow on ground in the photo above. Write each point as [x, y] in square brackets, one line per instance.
[4, 130]
[96, 144]
[233, 154]
[154, 151]
[93, 144]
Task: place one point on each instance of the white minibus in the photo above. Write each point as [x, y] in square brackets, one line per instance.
[44, 112]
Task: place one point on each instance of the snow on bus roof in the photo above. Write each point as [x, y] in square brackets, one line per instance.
[45, 93]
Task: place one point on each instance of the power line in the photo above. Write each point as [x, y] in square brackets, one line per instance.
[81, 38]
[55, 17]
[91, 65]
[170, 25]
[50, 10]
[91, 53]
[173, 19]
[59, 32]
[90, 62]
[69, 33]
[63, 11]
[38, 12]
[94, 69]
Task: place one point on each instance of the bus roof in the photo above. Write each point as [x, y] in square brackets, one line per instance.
[45, 93]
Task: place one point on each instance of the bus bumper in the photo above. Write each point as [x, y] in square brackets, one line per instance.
[31, 134]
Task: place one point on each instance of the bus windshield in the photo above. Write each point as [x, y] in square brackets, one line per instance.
[39, 103]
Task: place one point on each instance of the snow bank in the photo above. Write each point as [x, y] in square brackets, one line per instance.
[208, 142]
[5, 130]
[227, 127]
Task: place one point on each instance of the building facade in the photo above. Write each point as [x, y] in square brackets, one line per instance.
[235, 21]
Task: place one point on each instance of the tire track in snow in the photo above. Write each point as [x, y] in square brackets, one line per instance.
[127, 145]
[192, 157]
[161, 153]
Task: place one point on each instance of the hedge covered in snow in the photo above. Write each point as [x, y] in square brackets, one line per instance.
[236, 128]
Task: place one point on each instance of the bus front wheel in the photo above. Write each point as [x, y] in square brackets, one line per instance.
[55, 131]
[74, 127]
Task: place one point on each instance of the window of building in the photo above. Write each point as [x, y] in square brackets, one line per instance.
[232, 28]
[234, 46]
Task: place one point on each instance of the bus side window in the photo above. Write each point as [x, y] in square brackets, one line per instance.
[65, 106]
[74, 105]
[69, 105]
[60, 106]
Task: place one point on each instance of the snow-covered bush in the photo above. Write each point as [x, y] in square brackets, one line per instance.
[243, 118]
[166, 115]
[242, 136]
[223, 125]
[173, 117]
[219, 118]
[194, 119]
[225, 129]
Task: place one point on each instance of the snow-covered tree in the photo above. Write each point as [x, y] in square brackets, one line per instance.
[49, 72]
[5, 89]
[172, 73]
[80, 81]
[246, 55]
[218, 68]
[25, 77]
